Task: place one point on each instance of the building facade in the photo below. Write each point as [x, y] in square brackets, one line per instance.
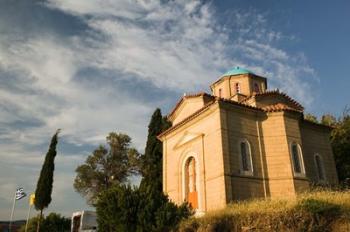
[242, 142]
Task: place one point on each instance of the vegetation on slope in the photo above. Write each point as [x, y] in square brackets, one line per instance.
[315, 211]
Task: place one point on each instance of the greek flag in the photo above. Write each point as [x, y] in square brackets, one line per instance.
[20, 194]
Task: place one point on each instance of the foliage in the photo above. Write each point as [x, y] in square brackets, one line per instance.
[319, 207]
[311, 118]
[340, 139]
[168, 216]
[123, 208]
[157, 213]
[314, 211]
[152, 159]
[117, 209]
[151, 183]
[53, 223]
[328, 120]
[44, 186]
[107, 167]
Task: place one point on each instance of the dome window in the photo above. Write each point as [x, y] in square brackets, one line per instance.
[238, 87]
[256, 88]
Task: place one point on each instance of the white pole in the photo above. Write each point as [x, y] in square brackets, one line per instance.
[13, 209]
[30, 207]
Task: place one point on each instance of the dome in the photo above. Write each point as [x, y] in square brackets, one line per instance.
[236, 71]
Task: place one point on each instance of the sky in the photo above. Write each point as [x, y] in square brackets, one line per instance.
[91, 67]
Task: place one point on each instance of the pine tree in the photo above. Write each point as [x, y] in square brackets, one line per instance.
[44, 186]
[107, 166]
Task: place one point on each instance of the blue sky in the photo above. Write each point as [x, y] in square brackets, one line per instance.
[91, 67]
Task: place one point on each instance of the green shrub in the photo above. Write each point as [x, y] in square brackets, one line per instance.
[319, 208]
[53, 222]
[117, 209]
[123, 208]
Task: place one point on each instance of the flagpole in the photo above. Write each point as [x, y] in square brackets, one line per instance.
[13, 209]
[30, 207]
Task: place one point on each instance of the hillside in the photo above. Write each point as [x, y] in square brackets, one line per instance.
[316, 211]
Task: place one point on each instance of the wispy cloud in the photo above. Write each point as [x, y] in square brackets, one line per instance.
[125, 59]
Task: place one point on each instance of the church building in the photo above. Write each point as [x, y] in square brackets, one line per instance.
[240, 142]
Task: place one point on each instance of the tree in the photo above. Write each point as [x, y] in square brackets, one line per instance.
[121, 208]
[328, 120]
[107, 167]
[152, 159]
[117, 209]
[44, 186]
[151, 184]
[53, 222]
[311, 118]
[340, 140]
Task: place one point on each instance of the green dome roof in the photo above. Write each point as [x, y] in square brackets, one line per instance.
[236, 71]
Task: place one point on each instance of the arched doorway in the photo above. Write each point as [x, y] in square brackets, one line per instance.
[191, 182]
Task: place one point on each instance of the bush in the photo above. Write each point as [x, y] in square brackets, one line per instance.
[53, 222]
[123, 208]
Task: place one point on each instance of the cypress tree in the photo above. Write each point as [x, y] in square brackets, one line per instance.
[151, 187]
[44, 186]
[152, 159]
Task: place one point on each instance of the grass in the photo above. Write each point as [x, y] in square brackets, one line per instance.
[322, 210]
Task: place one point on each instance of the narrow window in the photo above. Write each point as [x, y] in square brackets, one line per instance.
[238, 88]
[220, 93]
[245, 158]
[319, 167]
[256, 88]
[297, 160]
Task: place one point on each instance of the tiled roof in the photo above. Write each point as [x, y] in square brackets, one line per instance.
[278, 107]
[239, 104]
[276, 92]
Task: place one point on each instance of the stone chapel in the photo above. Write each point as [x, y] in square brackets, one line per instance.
[242, 141]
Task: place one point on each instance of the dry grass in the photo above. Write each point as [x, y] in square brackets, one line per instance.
[316, 211]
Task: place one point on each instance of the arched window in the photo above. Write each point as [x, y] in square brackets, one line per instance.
[297, 160]
[256, 88]
[319, 168]
[245, 158]
[191, 182]
[220, 93]
[238, 87]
